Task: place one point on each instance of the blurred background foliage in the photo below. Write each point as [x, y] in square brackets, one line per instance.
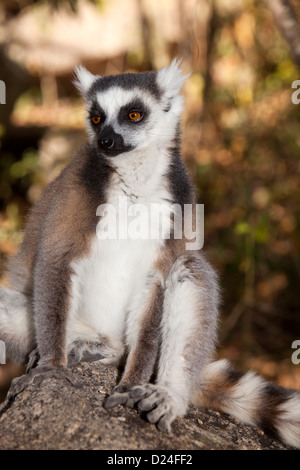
[240, 136]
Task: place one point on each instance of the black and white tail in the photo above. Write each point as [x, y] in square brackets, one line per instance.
[16, 324]
[252, 400]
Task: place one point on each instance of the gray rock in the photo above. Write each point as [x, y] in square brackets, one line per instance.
[56, 415]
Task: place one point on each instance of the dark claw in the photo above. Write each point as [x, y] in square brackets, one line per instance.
[120, 396]
[164, 425]
[89, 357]
[32, 360]
[115, 399]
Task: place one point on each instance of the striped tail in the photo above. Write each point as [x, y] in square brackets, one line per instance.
[16, 325]
[252, 400]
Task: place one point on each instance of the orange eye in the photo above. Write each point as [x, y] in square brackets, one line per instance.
[135, 116]
[96, 119]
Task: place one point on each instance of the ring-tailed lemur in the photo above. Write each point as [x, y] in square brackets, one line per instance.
[79, 296]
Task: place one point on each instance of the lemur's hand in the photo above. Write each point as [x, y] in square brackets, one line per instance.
[36, 377]
[160, 407]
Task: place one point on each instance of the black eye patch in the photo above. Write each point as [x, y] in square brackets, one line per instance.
[96, 110]
[135, 106]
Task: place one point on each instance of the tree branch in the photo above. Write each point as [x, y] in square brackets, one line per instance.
[287, 22]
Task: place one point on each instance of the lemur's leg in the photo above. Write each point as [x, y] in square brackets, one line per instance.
[188, 333]
[142, 337]
[16, 324]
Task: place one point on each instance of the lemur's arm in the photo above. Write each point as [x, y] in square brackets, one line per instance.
[51, 311]
[52, 304]
[63, 236]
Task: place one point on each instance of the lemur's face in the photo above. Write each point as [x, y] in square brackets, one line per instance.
[130, 112]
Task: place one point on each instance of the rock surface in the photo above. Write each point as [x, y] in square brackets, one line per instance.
[56, 415]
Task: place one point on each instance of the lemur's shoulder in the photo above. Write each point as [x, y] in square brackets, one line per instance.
[63, 216]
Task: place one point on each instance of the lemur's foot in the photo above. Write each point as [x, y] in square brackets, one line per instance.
[85, 351]
[36, 377]
[104, 350]
[160, 406]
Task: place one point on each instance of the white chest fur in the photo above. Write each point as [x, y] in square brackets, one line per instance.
[107, 282]
[108, 279]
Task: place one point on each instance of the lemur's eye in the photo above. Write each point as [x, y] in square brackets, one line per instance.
[96, 119]
[135, 116]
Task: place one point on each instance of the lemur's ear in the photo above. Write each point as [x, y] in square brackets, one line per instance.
[170, 79]
[83, 79]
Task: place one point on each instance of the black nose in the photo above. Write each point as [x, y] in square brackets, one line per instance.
[107, 142]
